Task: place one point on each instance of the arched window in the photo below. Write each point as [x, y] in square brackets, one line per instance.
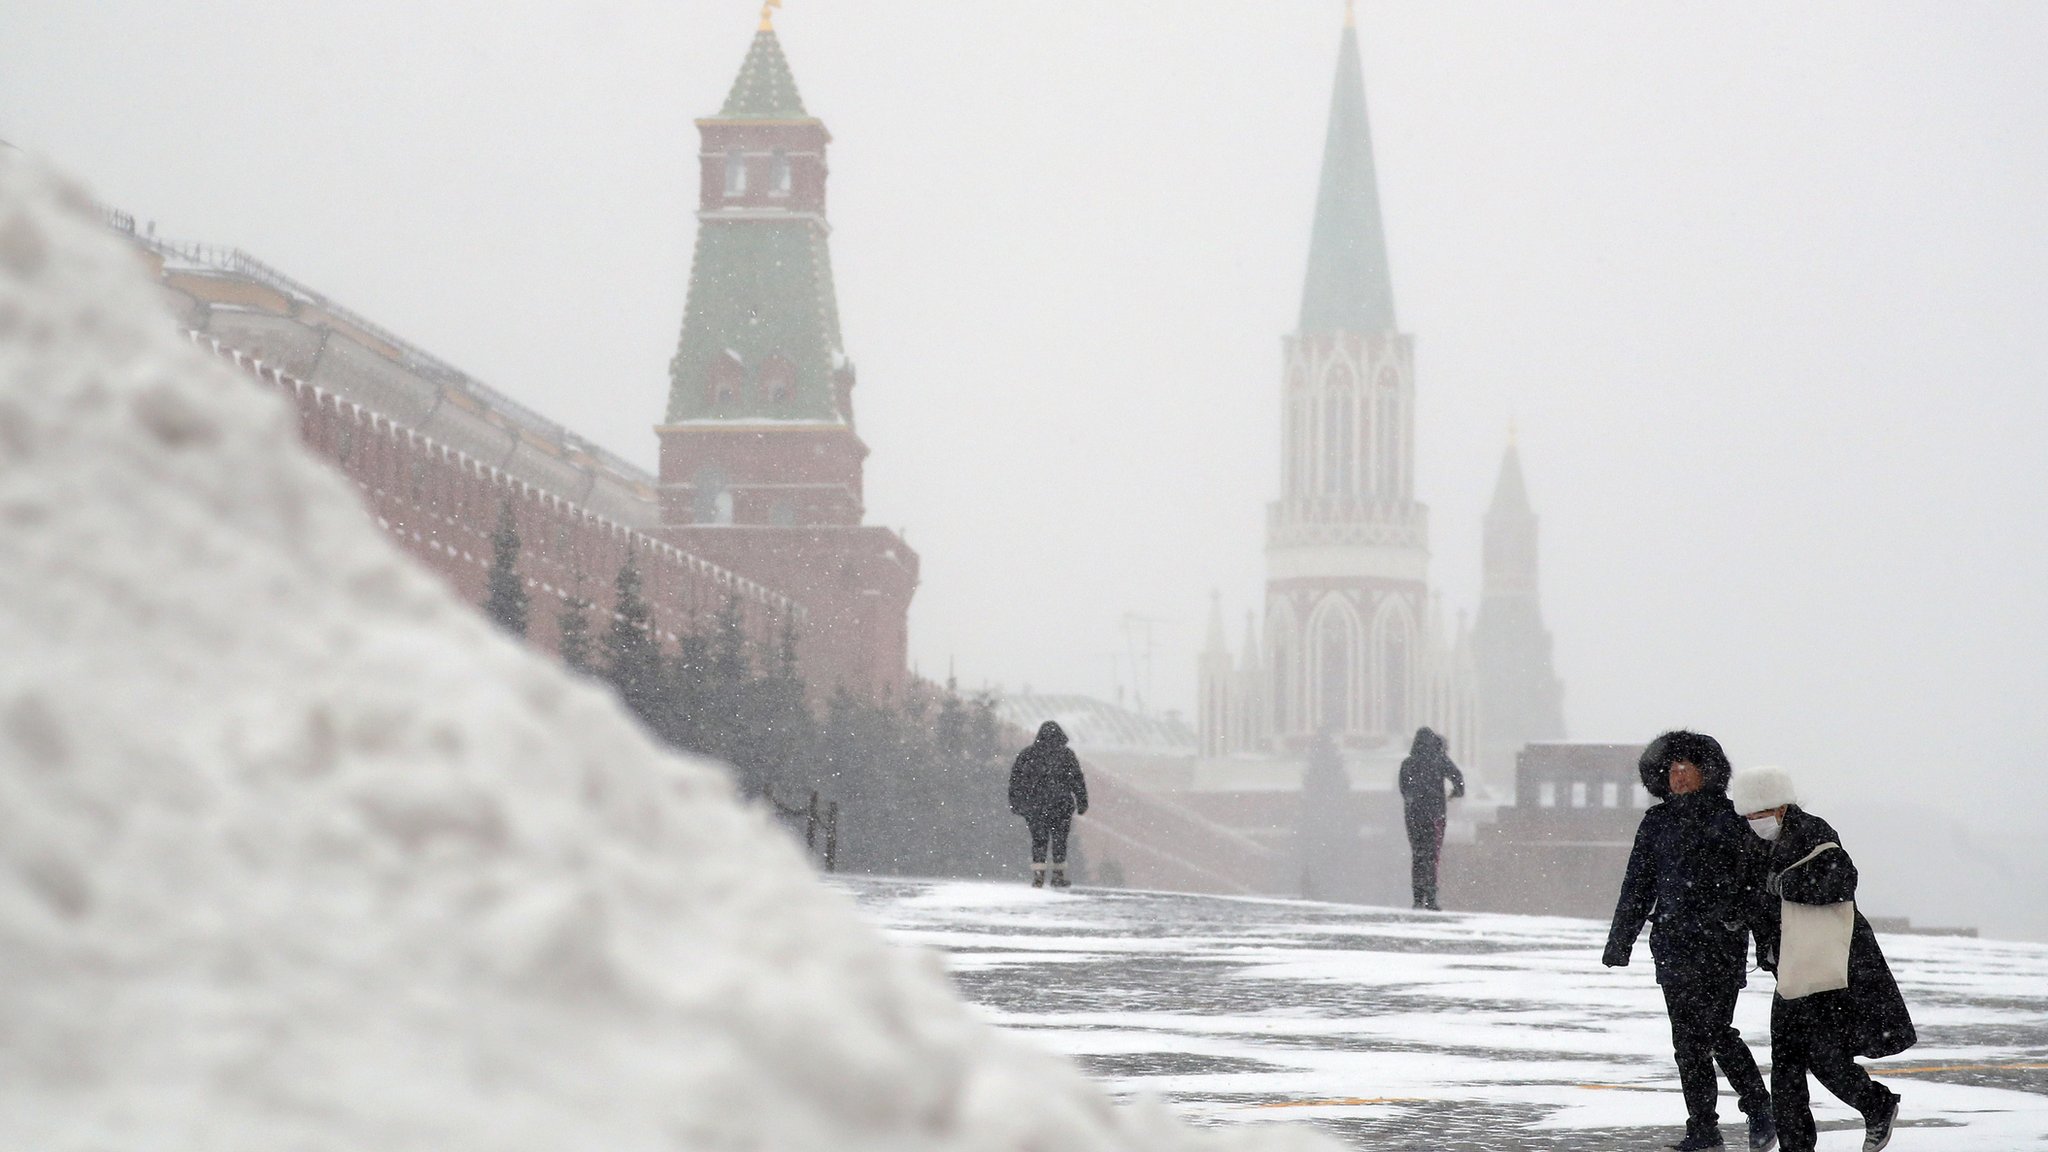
[1293, 461]
[1338, 446]
[780, 178]
[1283, 684]
[735, 172]
[778, 380]
[1333, 673]
[1388, 480]
[1395, 649]
[722, 382]
[711, 498]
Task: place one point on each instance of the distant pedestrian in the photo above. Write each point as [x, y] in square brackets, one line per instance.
[1423, 775]
[1836, 997]
[1697, 873]
[1047, 790]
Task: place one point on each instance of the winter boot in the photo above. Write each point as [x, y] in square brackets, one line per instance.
[1059, 876]
[1038, 875]
[1699, 1141]
[1877, 1132]
[1763, 1134]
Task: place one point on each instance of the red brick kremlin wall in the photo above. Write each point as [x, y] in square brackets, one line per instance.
[441, 505]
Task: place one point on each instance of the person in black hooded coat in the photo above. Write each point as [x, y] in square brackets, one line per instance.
[1048, 791]
[1423, 775]
[1823, 1032]
[1696, 873]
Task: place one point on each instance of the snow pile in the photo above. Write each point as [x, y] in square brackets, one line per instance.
[297, 854]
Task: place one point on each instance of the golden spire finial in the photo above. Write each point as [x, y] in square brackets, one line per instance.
[1351, 13]
[768, 8]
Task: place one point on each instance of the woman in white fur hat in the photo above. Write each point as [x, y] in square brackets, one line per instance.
[1836, 998]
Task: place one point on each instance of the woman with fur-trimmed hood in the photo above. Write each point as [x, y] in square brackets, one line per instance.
[1859, 1012]
[1695, 875]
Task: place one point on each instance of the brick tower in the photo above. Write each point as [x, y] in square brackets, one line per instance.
[1520, 696]
[760, 462]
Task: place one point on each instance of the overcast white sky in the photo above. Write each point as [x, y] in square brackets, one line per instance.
[1764, 284]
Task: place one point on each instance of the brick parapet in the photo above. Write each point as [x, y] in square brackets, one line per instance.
[441, 506]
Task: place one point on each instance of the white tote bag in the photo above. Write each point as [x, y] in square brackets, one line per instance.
[1813, 943]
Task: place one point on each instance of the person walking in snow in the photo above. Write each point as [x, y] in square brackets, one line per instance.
[1836, 998]
[1696, 873]
[1423, 775]
[1048, 791]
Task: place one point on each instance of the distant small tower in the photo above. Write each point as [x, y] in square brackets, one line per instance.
[761, 469]
[1520, 696]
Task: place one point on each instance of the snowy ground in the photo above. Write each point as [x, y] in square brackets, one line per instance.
[1399, 1030]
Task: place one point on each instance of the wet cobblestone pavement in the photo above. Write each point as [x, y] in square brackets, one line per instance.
[1447, 1032]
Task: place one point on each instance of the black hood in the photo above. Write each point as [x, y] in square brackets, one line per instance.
[1426, 742]
[1052, 734]
[1654, 766]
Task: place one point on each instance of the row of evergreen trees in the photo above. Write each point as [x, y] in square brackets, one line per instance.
[920, 782]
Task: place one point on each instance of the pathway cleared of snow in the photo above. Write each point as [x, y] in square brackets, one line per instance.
[1394, 1029]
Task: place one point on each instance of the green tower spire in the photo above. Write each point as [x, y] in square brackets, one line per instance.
[1348, 288]
[760, 336]
[765, 89]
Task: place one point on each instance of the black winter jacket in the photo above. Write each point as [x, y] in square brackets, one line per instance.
[1045, 780]
[1697, 871]
[1875, 1011]
[1423, 773]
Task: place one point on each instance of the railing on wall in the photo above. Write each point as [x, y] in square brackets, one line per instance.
[818, 819]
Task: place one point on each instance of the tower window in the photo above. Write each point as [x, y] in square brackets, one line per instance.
[1335, 674]
[778, 380]
[735, 173]
[722, 383]
[1394, 677]
[711, 499]
[780, 176]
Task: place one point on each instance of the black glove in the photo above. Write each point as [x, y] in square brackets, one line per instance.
[1615, 956]
[1771, 884]
[1081, 811]
[1457, 790]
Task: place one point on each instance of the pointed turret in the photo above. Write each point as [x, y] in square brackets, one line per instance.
[1509, 545]
[1520, 697]
[1215, 645]
[761, 468]
[1510, 491]
[1349, 288]
[760, 334]
[765, 89]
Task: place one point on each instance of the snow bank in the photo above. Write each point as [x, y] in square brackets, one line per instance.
[297, 854]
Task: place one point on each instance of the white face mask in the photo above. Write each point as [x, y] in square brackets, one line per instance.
[1764, 826]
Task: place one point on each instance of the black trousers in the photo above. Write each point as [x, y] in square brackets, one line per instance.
[1702, 1012]
[1814, 1034]
[1425, 848]
[1050, 832]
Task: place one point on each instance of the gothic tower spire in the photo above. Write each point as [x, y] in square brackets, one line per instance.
[1349, 288]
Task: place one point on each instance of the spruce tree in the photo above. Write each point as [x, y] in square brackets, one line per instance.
[784, 735]
[574, 624]
[506, 603]
[632, 653]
